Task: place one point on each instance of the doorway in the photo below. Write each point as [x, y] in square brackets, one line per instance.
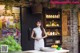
[28, 23]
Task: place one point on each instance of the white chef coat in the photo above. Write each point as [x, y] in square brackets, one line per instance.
[38, 44]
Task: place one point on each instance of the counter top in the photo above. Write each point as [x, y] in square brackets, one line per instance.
[56, 51]
[35, 51]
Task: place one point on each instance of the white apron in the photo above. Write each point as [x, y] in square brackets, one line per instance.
[38, 44]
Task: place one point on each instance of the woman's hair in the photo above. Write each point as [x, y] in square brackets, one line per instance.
[43, 33]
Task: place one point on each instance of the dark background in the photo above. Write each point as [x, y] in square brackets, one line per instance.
[28, 22]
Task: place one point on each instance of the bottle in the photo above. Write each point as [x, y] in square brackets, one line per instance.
[57, 24]
[49, 16]
[53, 34]
[53, 16]
[53, 23]
[58, 14]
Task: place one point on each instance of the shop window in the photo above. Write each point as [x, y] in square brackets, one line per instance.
[10, 24]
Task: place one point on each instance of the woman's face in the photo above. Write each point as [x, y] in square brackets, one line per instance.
[38, 24]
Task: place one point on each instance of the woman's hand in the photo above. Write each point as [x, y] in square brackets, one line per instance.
[38, 39]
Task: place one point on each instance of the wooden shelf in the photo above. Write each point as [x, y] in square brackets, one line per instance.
[54, 27]
[53, 44]
[53, 35]
[53, 18]
[48, 25]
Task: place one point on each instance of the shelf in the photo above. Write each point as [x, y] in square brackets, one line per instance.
[57, 43]
[53, 23]
[54, 27]
[53, 44]
[53, 35]
[53, 18]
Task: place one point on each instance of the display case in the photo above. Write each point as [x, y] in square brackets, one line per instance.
[53, 26]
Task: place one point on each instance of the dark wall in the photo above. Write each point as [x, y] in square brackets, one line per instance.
[28, 23]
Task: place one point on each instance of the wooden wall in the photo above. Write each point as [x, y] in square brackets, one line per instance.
[64, 24]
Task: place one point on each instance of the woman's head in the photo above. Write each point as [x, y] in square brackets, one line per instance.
[38, 23]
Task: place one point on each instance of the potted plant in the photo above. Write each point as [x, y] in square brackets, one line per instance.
[12, 44]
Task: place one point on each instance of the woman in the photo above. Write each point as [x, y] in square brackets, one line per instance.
[40, 34]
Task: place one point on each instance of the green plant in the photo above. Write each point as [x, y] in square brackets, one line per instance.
[12, 44]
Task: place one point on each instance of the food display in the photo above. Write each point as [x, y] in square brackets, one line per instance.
[53, 16]
[57, 41]
[53, 33]
[56, 47]
[52, 24]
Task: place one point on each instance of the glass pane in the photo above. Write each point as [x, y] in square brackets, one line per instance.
[10, 24]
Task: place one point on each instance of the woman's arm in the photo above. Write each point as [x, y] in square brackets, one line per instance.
[32, 35]
[45, 34]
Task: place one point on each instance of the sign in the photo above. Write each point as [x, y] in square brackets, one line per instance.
[64, 2]
[4, 48]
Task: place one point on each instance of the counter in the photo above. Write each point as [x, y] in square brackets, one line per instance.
[35, 51]
[56, 51]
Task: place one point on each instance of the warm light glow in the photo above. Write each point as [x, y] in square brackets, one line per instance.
[15, 10]
[8, 11]
[2, 7]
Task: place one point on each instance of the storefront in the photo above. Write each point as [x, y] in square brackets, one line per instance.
[69, 20]
[61, 21]
[59, 30]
